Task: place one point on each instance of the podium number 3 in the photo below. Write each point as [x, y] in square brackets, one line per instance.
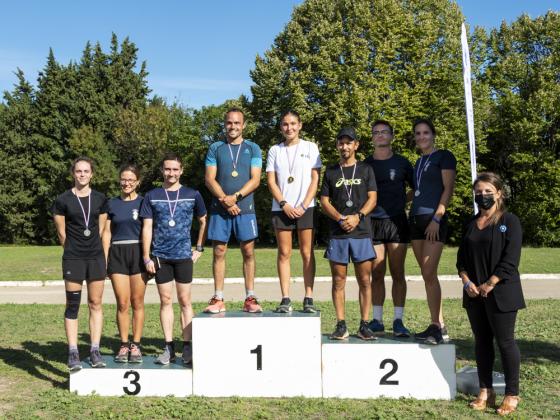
[258, 351]
[134, 381]
[385, 379]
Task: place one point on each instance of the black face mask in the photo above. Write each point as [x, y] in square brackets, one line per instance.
[484, 201]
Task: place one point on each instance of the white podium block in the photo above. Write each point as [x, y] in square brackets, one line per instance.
[257, 355]
[145, 379]
[386, 367]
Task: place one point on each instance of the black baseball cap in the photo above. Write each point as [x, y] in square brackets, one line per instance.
[346, 132]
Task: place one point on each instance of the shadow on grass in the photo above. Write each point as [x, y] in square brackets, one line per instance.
[37, 359]
[535, 352]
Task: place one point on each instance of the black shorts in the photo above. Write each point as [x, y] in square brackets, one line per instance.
[89, 269]
[125, 259]
[281, 221]
[179, 270]
[419, 223]
[390, 230]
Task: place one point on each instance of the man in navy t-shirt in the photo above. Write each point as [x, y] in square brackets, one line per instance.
[167, 215]
[233, 173]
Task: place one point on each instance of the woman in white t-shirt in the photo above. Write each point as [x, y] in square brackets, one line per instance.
[292, 169]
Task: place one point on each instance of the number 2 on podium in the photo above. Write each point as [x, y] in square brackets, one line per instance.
[258, 351]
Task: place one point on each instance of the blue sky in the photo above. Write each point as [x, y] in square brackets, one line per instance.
[198, 52]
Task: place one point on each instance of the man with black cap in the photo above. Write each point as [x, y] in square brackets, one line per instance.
[348, 195]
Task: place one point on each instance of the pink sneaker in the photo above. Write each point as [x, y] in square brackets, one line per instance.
[215, 306]
[251, 305]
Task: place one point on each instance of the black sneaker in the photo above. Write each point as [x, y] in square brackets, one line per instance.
[340, 332]
[187, 353]
[285, 306]
[435, 337]
[308, 306]
[95, 359]
[364, 332]
[421, 336]
[74, 363]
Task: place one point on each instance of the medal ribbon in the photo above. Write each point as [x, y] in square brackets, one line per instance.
[293, 162]
[344, 179]
[172, 212]
[420, 170]
[86, 218]
[234, 162]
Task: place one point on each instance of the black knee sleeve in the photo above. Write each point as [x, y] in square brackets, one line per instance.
[73, 300]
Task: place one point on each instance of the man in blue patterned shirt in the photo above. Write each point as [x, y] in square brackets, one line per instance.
[167, 215]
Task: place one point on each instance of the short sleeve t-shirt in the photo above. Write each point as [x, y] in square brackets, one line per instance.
[392, 177]
[126, 223]
[428, 181]
[77, 244]
[334, 188]
[172, 242]
[296, 161]
[248, 155]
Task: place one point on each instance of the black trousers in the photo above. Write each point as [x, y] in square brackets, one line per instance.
[487, 324]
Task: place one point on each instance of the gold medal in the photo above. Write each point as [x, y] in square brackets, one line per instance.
[234, 173]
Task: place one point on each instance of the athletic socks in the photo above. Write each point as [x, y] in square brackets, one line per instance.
[219, 294]
[94, 346]
[169, 344]
[378, 312]
[72, 349]
[399, 312]
[250, 293]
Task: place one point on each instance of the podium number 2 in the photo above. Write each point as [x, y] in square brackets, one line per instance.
[385, 379]
[258, 351]
[134, 381]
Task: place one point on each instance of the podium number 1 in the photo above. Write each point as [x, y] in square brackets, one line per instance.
[258, 351]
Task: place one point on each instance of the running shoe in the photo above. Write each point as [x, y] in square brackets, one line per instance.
[445, 335]
[340, 332]
[376, 327]
[251, 305]
[364, 332]
[135, 355]
[95, 359]
[399, 330]
[187, 353]
[215, 306]
[431, 335]
[308, 306]
[168, 356]
[74, 363]
[285, 306]
[122, 355]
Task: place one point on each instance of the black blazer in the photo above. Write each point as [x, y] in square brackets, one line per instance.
[504, 259]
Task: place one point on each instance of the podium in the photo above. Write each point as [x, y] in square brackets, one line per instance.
[257, 355]
[146, 379]
[388, 367]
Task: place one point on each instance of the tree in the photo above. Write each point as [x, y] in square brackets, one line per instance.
[524, 126]
[349, 62]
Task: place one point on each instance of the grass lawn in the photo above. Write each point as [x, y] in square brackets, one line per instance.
[43, 263]
[34, 380]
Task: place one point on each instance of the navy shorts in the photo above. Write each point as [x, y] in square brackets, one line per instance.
[342, 250]
[419, 223]
[243, 226]
[281, 221]
[125, 259]
[84, 269]
[390, 230]
[168, 270]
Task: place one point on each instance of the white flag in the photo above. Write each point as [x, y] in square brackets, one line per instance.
[468, 103]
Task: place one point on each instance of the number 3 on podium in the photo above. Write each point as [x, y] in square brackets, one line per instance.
[258, 351]
[134, 381]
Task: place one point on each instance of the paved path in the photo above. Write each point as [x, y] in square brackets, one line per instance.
[540, 288]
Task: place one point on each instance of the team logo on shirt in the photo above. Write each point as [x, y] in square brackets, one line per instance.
[135, 214]
[348, 182]
[392, 174]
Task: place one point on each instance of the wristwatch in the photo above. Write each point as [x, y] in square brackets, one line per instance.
[282, 203]
[361, 215]
[238, 196]
[200, 248]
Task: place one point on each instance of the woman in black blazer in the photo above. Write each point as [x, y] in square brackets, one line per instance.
[487, 261]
